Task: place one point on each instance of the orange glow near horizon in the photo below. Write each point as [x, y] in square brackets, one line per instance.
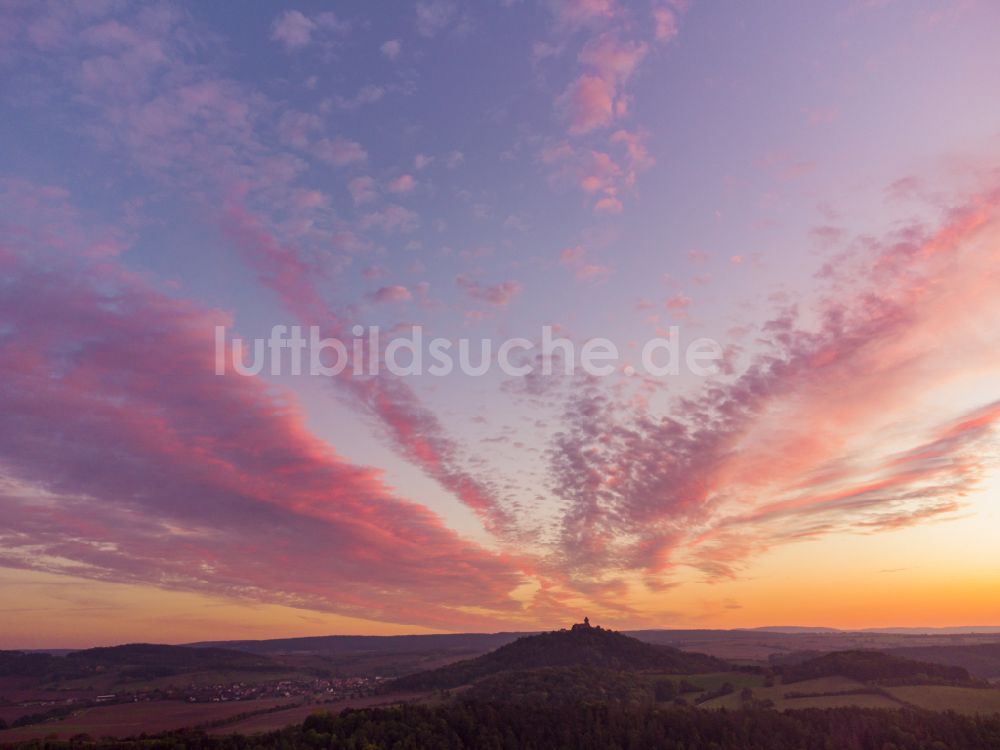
[910, 578]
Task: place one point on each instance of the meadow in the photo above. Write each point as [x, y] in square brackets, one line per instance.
[962, 700]
[127, 719]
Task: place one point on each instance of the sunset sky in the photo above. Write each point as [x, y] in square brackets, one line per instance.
[814, 186]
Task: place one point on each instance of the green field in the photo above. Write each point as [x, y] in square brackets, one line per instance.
[715, 680]
[125, 719]
[819, 693]
[279, 719]
[942, 697]
[867, 700]
[833, 692]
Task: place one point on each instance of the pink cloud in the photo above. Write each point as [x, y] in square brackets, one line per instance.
[497, 294]
[402, 184]
[196, 133]
[294, 30]
[574, 12]
[433, 16]
[606, 175]
[904, 188]
[412, 429]
[819, 435]
[595, 98]
[760, 460]
[613, 58]
[391, 48]
[296, 128]
[592, 272]
[574, 258]
[340, 152]
[391, 218]
[665, 24]
[678, 304]
[362, 189]
[637, 157]
[588, 103]
[169, 481]
[366, 95]
[601, 174]
[392, 294]
[608, 205]
[571, 255]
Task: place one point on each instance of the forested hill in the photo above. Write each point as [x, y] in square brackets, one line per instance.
[582, 646]
[178, 657]
[981, 659]
[136, 660]
[873, 666]
[336, 645]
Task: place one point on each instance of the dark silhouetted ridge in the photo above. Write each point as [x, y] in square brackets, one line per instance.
[132, 661]
[175, 657]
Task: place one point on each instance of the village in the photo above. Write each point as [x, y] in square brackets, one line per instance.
[317, 690]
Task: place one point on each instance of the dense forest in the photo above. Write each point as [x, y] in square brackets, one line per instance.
[980, 659]
[875, 667]
[563, 685]
[471, 725]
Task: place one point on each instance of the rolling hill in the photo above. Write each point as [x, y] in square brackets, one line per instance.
[581, 646]
[130, 662]
[980, 659]
[337, 645]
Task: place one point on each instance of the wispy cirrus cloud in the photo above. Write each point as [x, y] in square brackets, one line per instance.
[145, 466]
[859, 414]
[798, 445]
[198, 132]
